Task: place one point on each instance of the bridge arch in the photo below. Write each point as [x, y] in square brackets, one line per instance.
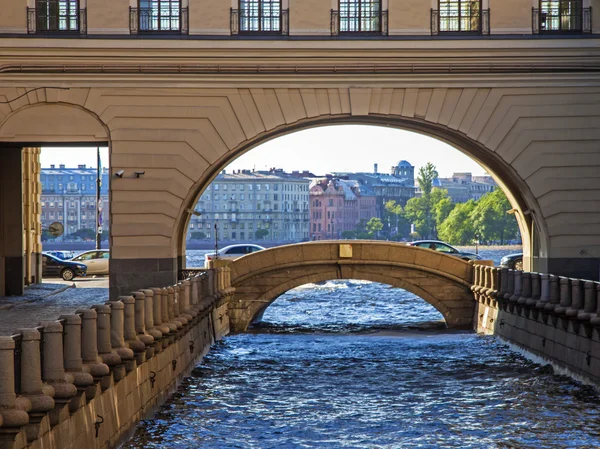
[441, 280]
[527, 210]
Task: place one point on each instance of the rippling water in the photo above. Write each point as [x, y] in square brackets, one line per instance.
[354, 364]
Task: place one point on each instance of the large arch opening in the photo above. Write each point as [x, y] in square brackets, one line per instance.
[532, 228]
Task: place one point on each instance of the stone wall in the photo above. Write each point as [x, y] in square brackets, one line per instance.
[556, 319]
[87, 379]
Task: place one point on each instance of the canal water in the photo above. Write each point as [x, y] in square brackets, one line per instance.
[354, 364]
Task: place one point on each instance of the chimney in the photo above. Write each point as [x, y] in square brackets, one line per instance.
[375, 169]
[82, 166]
[52, 166]
[61, 166]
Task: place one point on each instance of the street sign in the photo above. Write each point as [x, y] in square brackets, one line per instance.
[56, 229]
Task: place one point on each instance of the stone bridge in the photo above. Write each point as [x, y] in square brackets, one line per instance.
[441, 280]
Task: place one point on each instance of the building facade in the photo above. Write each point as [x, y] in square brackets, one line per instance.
[463, 187]
[337, 205]
[69, 197]
[249, 205]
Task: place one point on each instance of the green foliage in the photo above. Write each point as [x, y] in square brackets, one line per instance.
[458, 228]
[348, 234]
[427, 175]
[491, 222]
[261, 233]
[85, 233]
[364, 236]
[374, 225]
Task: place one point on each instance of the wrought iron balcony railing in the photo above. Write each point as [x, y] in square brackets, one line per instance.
[153, 20]
[374, 24]
[476, 22]
[276, 24]
[67, 21]
[556, 21]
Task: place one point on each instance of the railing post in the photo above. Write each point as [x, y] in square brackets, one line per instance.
[510, 284]
[544, 291]
[525, 288]
[73, 362]
[140, 323]
[159, 324]
[105, 351]
[535, 290]
[576, 299]
[565, 295]
[518, 277]
[32, 387]
[149, 319]
[11, 419]
[92, 363]
[589, 302]
[117, 330]
[554, 300]
[503, 283]
[53, 370]
[595, 320]
[129, 334]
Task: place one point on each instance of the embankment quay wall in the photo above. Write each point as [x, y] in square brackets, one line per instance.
[87, 379]
[554, 318]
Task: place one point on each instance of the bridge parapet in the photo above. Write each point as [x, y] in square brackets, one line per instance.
[107, 367]
[553, 317]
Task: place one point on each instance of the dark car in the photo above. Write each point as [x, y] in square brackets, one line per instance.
[445, 248]
[512, 261]
[55, 267]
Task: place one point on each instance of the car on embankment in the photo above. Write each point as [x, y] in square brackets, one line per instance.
[68, 270]
[97, 261]
[232, 252]
[445, 248]
[512, 261]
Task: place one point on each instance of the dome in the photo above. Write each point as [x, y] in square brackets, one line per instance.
[404, 163]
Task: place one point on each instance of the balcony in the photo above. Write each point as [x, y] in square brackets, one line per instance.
[476, 22]
[56, 20]
[242, 23]
[154, 21]
[556, 21]
[374, 24]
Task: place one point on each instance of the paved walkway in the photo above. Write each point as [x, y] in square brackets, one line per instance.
[49, 300]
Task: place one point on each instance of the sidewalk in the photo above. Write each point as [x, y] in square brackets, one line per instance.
[49, 300]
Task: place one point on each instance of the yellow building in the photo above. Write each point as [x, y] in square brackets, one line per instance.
[178, 89]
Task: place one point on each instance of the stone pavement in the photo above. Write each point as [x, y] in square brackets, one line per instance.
[49, 300]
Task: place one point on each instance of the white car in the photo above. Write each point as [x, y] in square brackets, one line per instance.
[95, 260]
[231, 252]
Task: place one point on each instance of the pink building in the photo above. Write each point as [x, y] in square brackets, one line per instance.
[336, 206]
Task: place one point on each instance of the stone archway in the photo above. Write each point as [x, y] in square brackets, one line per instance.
[441, 280]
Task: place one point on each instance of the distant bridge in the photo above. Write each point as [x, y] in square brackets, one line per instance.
[441, 280]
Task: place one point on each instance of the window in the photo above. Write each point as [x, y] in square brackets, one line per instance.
[359, 16]
[460, 16]
[259, 16]
[54, 15]
[158, 16]
[562, 16]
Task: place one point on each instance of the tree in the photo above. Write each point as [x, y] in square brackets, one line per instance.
[421, 211]
[348, 234]
[85, 233]
[490, 219]
[374, 225]
[458, 227]
[261, 233]
[427, 174]
[396, 214]
[441, 206]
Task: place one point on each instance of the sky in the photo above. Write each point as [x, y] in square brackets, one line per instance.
[341, 148]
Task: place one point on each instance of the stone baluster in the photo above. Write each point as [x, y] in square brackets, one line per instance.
[494, 282]
[544, 291]
[105, 351]
[92, 363]
[39, 395]
[149, 319]
[117, 334]
[554, 299]
[510, 284]
[173, 309]
[595, 320]
[503, 272]
[166, 317]
[140, 323]
[73, 362]
[536, 289]
[185, 288]
[518, 277]
[565, 296]
[53, 370]
[476, 288]
[589, 302]
[11, 417]
[576, 299]
[157, 304]
[178, 302]
[525, 288]
[195, 297]
[210, 283]
[129, 331]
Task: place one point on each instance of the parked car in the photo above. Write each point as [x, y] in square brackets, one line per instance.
[512, 261]
[95, 260]
[232, 252]
[63, 255]
[445, 248]
[54, 267]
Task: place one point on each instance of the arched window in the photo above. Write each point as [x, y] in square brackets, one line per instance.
[460, 16]
[359, 16]
[55, 16]
[260, 16]
[562, 16]
[158, 16]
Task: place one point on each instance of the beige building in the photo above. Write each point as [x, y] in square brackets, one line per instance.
[178, 95]
[246, 201]
[463, 187]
